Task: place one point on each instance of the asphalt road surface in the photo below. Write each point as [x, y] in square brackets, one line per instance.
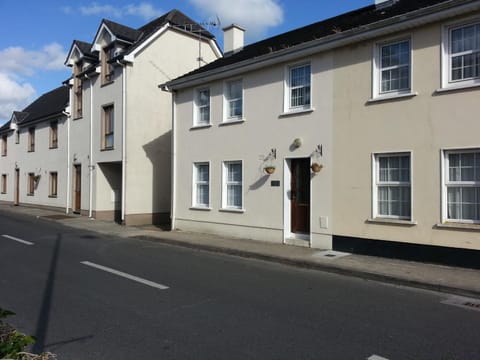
[89, 296]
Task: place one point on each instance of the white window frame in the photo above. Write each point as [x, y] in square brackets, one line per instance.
[376, 183]
[377, 70]
[197, 107]
[446, 183]
[196, 182]
[288, 108]
[226, 183]
[447, 82]
[227, 102]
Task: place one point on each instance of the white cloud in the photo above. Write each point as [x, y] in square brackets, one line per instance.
[14, 96]
[144, 10]
[18, 60]
[256, 16]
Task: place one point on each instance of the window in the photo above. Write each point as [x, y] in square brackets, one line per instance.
[234, 100]
[31, 139]
[77, 91]
[107, 68]
[4, 183]
[31, 184]
[53, 135]
[201, 185]
[53, 184]
[202, 105]
[232, 185]
[392, 186]
[462, 183]
[107, 127]
[461, 50]
[4, 145]
[298, 87]
[393, 68]
[17, 136]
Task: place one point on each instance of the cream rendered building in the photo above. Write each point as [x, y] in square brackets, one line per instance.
[383, 98]
[120, 130]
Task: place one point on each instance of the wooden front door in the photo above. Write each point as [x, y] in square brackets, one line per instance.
[77, 188]
[300, 196]
[16, 200]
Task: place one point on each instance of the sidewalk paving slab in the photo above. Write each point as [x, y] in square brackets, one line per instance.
[448, 279]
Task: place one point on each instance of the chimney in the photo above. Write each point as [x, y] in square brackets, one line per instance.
[232, 39]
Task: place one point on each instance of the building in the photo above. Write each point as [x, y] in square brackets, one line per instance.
[366, 120]
[34, 153]
[119, 154]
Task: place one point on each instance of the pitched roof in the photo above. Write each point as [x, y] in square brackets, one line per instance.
[51, 103]
[122, 32]
[84, 47]
[322, 29]
[5, 127]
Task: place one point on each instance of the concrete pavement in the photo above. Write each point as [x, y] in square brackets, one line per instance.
[459, 281]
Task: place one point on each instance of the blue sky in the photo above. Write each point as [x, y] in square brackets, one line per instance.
[35, 35]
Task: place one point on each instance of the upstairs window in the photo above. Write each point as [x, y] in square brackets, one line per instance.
[77, 91]
[392, 72]
[298, 87]
[17, 136]
[234, 100]
[53, 135]
[392, 186]
[107, 54]
[31, 139]
[108, 121]
[462, 186]
[4, 145]
[202, 108]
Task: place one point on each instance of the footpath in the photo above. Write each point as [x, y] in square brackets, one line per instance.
[453, 280]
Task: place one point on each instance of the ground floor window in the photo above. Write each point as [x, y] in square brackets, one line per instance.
[31, 184]
[53, 184]
[201, 185]
[392, 186]
[232, 195]
[462, 185]
[4, 184]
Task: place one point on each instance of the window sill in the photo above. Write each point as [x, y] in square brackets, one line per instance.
[198, 127]
[30, 151]
[458, 226]
[30, 194]
[53, 147]
[381, 98]
[107, 149]
[78, 118]
[2, 193]
[294, 112]
[232, 210]
[52, 196]
[387, 221]
[456, 87]
[106, 83]
[232, 122]
[200, 208]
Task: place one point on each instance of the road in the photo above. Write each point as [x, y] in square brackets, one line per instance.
[90, 296]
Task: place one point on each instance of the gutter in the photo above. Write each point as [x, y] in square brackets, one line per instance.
[124, 142]
[355, 35]
[90, 160]
[69, 117]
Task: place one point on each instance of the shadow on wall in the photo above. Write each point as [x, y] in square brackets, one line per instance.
[159, 153]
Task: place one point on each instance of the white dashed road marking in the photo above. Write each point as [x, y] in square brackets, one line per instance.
[376, 357]
[125, 275]
[18, 240]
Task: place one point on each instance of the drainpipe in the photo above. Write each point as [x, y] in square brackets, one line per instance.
[90, 162]
[124, 136]
[68, 115]
[174, 161]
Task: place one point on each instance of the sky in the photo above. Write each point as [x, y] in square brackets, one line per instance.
[35, 35]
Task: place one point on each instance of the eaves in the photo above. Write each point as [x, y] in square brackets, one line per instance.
[394, 24]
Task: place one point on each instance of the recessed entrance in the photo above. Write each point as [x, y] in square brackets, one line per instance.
[297, 210]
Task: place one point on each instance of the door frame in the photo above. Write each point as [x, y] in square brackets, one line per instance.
[287, 206]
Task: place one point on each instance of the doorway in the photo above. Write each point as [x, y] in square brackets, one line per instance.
[77, 189]
[300, 198]
[16, 200]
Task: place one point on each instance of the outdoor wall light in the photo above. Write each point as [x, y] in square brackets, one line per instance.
[297, 142]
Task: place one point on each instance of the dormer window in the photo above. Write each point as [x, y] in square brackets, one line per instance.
[107, 54]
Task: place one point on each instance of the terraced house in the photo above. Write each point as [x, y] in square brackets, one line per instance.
[366, 124]
[120, 125]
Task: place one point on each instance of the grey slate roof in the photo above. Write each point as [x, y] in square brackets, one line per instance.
[336, 25]
[51, 103]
